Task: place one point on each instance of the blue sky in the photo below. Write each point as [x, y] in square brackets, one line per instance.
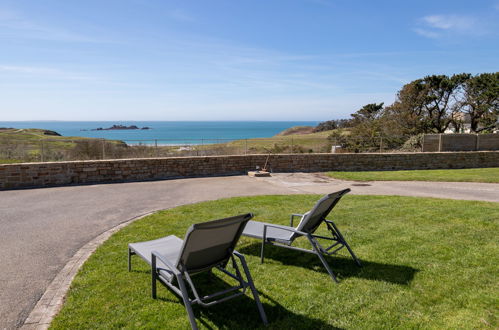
[230, 60]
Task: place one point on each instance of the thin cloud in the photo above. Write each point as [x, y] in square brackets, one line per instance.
[447, 22]
[46, 72]
[15, 25]
[451, 26]
[427, 33]
[27, 69]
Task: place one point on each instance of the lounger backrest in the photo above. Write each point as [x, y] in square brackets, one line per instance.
[209, 244]
[312, 219]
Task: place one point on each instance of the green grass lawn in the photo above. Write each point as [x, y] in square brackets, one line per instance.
[490, 175]
[316, 142]
[9, 161]
[428, 263]
[27, 145]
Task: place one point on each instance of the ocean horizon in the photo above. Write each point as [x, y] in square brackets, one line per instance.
[165, 132]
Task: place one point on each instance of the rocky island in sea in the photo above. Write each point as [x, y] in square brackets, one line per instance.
[119, 127]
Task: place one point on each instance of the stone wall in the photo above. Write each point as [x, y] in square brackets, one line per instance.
[460, 142]
[101, 171]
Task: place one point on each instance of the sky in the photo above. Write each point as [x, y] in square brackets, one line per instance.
[230, 59]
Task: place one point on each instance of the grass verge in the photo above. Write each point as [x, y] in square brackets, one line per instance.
[490, 175]
[428, 263]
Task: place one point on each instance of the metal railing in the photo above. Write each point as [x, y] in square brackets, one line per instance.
[60, 149]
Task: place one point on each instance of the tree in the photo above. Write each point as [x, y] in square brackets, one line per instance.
[427, 105]
[332, 124]
[367, 114]
[439, 99]
[366, 122]
[405, 117]
[365, 131]
[480, 100]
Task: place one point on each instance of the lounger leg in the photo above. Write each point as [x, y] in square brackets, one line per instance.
[353, 255]
[129, 259]
[261, 252]
[263, 316]
[264, 238]
[346, 244]
[153, 276]
[323, 260]
[187, 302]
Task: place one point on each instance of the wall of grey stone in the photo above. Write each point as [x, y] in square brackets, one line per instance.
[105, 171]
[460, 142]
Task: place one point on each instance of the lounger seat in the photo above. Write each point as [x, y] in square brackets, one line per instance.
[278, 233]
[169, 247]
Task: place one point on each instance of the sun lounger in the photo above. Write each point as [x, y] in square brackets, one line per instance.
[284, 236]
[205, 246]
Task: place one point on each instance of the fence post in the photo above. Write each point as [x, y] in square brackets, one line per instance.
[477, 143]
[156, 146]
[103, 149]
[41, 151]
[380, 144]
[440, 142]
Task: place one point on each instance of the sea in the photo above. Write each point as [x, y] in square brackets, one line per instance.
[165, 132]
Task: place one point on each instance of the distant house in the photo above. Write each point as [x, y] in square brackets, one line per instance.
[462, 123]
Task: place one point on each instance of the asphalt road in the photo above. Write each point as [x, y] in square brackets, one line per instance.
[41, 229]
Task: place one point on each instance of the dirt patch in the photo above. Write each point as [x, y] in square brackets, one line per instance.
[297, 130]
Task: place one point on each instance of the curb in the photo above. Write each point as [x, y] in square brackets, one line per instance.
[52, 300]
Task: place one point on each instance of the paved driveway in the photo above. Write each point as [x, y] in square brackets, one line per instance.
[40, 229]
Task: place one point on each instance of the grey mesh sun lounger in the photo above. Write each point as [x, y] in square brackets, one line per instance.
[284, 236]
[206, 246]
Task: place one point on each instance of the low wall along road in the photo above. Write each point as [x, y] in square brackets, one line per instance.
[27, 175]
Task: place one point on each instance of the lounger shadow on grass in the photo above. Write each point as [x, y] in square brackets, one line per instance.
[398, 274]
[241, 313]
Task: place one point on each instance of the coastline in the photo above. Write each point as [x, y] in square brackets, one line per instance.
[169, 132]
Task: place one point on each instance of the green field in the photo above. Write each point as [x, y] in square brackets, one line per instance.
[28, 145]
[428, 263]
[292, 143]
[490, 175]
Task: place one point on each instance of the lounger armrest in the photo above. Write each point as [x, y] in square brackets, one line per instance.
[293, 230]
[239, 255]
[330, 222]
[156, 255]
[292, 218]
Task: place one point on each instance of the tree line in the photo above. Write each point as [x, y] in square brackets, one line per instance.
[433, 104]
